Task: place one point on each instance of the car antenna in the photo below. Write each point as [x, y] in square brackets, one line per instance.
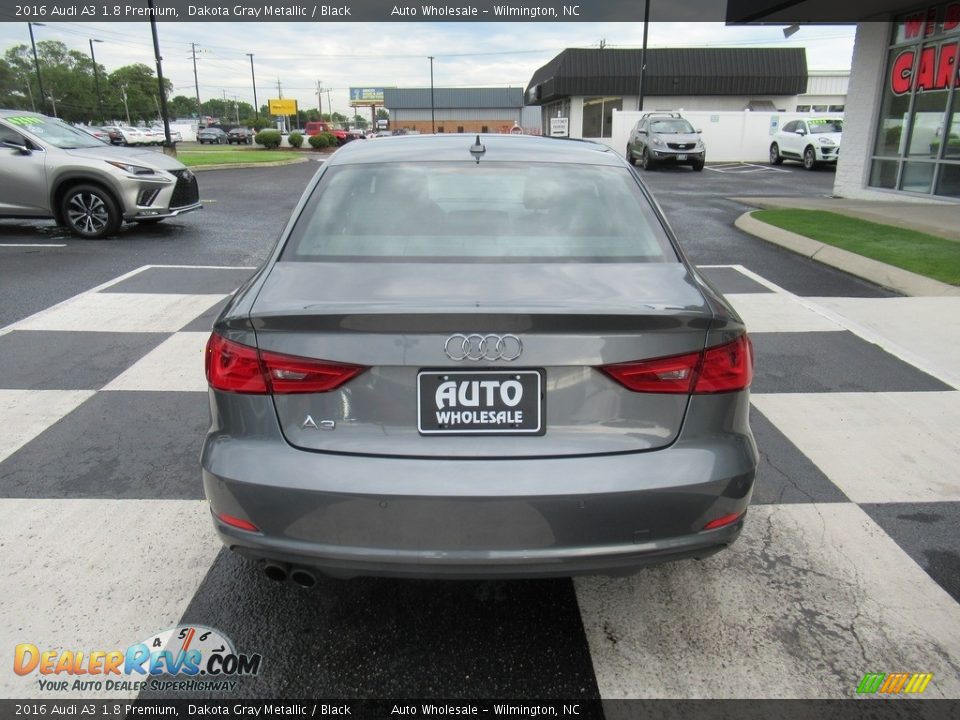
[477, 149]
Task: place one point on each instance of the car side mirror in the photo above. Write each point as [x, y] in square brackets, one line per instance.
[801, 131]
[699, 131]
[641, 132]
[24, 150]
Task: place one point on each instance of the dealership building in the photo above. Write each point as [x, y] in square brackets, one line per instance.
[901, 136]
[587, 85]
[458, 110]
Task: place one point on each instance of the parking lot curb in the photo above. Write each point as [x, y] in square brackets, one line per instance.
[888, 276]
[240, 166]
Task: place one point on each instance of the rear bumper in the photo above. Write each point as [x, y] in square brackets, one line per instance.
[438, 517]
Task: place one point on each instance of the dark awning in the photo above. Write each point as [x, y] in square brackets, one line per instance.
[671, 71]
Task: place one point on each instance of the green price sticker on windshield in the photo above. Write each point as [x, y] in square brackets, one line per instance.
[26, 120]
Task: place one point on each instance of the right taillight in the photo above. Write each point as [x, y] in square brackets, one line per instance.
[234, 367]
[723, 368]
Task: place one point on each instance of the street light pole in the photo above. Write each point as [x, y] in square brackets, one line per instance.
[36, 63]
[643, 53]
[96, 78]
[163, 93]
[253, 79]
[433, 117]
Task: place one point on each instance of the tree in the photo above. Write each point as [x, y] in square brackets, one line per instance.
[382, 114]
[140, 86]
[182, 106]
[68, 81]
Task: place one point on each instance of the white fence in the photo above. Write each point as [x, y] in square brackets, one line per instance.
[729, 136]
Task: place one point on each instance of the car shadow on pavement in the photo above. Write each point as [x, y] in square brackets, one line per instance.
[376, 637]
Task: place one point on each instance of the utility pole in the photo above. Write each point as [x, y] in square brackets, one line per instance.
[236, 109]
[196, 83]
[123, 94]
[329, 105]
[96, 78]
[162, 91]
[253, 79]
[33, 106]
[433, 118]
[320, 99]
[643, 53]
[36, 63]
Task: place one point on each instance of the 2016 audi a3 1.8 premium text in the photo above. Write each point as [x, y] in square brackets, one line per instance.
[477, 358]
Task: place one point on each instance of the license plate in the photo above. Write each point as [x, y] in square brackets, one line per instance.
[491, 402]
[681, 157]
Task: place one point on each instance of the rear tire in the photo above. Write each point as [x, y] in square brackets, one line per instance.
[630, 158]
[775, 157]
[90, 212]
[810, 158]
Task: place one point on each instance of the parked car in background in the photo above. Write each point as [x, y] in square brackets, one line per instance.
[175, 135]
[316, 127]
[115, 134]
[132, 135]
[49, 169]
[212, 135]
[96, 132]
[518, 375]
[240, 136]
[811, 141]
[151, 136]
[660, 138]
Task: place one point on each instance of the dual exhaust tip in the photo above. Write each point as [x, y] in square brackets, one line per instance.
[281, 572]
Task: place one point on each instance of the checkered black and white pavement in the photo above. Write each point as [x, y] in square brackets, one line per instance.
[849, 562]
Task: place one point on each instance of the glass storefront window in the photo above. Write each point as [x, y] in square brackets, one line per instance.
[598, 115]
[949, 183]
[917, 141]
[926, 122]
[917, 177]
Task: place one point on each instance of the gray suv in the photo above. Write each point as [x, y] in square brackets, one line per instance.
[662, 137]
[49, 169]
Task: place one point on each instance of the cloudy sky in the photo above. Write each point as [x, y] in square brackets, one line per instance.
[392, 54]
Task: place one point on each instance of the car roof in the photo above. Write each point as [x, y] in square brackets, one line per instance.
[499, 148]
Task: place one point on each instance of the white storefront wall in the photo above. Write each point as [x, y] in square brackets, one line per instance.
[729, 136]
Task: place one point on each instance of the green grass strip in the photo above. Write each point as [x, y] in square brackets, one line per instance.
[229, 157]
[928, 255]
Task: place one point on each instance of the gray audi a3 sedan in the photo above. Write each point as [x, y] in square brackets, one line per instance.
[477, 357]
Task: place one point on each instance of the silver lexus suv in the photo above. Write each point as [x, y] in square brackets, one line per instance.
[49, 169]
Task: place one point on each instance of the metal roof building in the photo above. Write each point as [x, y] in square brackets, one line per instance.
[458, 109]
[586, 85]
[671, 72]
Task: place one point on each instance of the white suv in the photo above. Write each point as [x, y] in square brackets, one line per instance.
[811, 141]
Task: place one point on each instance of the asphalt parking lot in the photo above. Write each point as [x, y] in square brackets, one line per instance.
[849, 562]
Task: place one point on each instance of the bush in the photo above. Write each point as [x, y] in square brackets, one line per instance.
[270, 139]
[295, 139]
[331, 138]
[259, 124]
[318, 142]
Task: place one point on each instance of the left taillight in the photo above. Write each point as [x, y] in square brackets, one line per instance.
[234, 367]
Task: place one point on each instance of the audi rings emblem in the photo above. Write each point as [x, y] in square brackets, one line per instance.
[483, 347]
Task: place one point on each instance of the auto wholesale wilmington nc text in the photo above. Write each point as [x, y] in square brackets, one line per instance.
[529, 13]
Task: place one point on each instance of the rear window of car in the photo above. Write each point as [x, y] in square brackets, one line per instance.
[478, 212]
